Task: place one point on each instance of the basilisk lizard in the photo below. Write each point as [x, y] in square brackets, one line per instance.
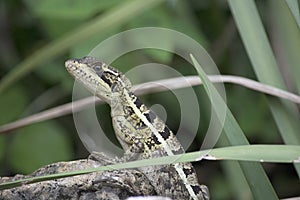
[140, 132]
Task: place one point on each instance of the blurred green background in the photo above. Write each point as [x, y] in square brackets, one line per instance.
[38, 36]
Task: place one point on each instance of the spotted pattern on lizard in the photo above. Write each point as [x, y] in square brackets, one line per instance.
[139, 130]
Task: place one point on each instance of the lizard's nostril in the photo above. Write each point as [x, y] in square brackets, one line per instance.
[69, 63]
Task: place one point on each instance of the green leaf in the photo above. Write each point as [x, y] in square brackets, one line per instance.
[236, 179]
[69, 9]
[37, 145]
[287, 154]
[287, 39]
[265, 66]
[118, 15]
[294, 7]
[13, 104]
[3, 146]
[254, 173]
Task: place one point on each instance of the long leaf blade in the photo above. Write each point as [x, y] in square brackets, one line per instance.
[265, 67]
[254, 173]
[258, 153]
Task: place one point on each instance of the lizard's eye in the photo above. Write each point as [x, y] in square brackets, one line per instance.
[97, 68]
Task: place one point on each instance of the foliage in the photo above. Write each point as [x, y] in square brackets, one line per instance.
[256, 40]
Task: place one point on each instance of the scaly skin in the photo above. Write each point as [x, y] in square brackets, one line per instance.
[141, 133]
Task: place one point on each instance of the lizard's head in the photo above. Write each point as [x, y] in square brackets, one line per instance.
[98, 77]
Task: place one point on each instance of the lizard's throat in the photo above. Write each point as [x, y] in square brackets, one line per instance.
[118, 103]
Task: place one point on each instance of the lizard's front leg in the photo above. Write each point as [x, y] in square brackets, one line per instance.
[133, 145]
[132, 153]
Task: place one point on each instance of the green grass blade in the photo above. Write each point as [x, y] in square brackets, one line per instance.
[119, 15]
[284, 154]
[263, 61]
[255, 175]
[287, 39]
[294, 7]
[236, 179]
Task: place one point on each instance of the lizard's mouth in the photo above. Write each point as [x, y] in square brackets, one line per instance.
[71, 66]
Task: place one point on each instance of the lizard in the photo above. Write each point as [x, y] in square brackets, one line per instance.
[141, 133]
